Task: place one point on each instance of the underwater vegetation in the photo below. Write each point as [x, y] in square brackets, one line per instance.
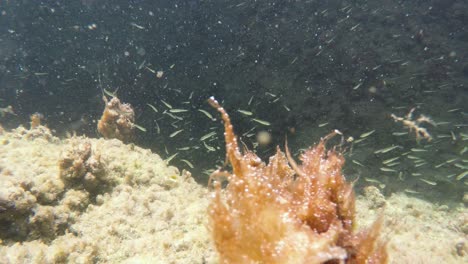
[283, 212]
[117, 120]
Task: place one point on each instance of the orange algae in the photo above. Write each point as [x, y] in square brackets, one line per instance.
[117, 120]
[282, 212]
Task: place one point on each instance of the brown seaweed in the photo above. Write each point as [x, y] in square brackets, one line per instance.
[282, 212]
[117, 120]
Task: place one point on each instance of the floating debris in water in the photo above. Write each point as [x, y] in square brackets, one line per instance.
[250, 100]
[415, 125]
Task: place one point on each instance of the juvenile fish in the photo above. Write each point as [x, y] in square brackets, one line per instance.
[387, 169]
[244, 112]
[184, 148]
[357, 163]
[429, 182]
[175, 110]
[158, 129]
[323, 124]
[465, 149]
[139, 127]
[187, 162]
[175, 133]
[390, 160]
[209, 148]
[171, 157]
[207, 136]
[364, 135]
[262, 122]
[411, 191]
[418, 150]
[206, 114]
[461, 175]
[166, 104]
[173, 116]
[153, 107]
[385, 150]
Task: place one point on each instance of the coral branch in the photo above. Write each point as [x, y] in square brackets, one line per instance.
[272, 213]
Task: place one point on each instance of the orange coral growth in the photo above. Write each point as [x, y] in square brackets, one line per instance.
[117, 120]
[282, 212]
[36, 119]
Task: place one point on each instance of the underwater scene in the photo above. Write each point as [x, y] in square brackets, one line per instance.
[233, 131]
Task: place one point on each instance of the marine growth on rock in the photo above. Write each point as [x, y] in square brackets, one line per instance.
[284, 212]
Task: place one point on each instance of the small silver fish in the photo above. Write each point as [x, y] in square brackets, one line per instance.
[364, 135]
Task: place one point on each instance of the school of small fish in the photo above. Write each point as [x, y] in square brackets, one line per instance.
[400, 159]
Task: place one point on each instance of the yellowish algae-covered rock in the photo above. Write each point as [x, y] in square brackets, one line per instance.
[419, 231]
[85, 200]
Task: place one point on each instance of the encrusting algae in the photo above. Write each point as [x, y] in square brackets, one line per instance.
[282, 212]
[117, 120]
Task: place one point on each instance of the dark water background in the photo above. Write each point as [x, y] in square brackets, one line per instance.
[307, 67]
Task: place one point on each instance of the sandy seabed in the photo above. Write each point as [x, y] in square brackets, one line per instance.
[83, 200]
